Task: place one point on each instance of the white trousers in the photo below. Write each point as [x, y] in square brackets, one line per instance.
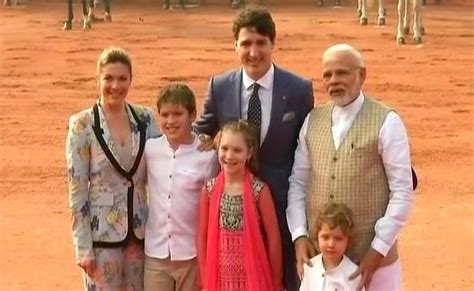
[387, 278]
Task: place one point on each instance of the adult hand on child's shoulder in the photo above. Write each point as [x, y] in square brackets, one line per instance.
[369, 264]
[206, 142]
[304, 250]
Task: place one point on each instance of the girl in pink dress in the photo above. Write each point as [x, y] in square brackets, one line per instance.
[238, 243]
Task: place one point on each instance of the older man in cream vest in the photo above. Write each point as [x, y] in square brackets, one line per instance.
[353, 150]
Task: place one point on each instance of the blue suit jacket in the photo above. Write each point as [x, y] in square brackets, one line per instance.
[292, 100]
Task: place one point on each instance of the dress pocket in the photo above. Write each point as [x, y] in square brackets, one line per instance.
[357, 151]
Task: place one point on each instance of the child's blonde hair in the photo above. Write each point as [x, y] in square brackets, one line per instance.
[335, 215]
[249, 133]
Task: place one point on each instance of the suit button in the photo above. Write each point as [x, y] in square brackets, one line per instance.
[333, 177]
[334, 159]
[331, 196]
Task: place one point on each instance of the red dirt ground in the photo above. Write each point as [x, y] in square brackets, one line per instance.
[47, 74]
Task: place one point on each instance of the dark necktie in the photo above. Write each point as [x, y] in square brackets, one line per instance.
[254, 111]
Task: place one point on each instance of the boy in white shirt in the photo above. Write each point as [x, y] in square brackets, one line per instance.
[176, 172]
[331, 269]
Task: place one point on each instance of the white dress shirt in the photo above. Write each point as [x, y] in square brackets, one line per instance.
[316, 278]
[265, 93]
[394, 149]
[175, 180]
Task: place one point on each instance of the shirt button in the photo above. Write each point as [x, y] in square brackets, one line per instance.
[333, 177]
[169, 236]
[334, 159]
[129, 184]
[331, 196]
[169, 196]
[170, 176]
[169, 216]
[174, 157]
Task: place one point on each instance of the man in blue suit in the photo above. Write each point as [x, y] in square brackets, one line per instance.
[275, 100]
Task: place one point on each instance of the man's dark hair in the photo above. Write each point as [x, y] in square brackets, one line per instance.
[257, 18]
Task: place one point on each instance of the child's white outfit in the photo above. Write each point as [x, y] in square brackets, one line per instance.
[316, 278]
[175, 180]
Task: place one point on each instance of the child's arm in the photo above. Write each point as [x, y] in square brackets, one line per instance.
[273, 239]
[201, 239]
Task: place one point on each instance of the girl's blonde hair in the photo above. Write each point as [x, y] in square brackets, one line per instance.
[249, 133]
[113, 55]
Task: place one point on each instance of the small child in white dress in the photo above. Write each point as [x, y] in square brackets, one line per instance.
[331, 269]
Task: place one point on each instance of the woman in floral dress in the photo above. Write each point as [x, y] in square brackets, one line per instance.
[106, 178]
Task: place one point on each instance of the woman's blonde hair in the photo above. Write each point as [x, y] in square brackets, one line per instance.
[113, 55]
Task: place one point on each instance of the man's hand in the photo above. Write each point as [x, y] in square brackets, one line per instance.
[206, 144]
[304, 250]
[88, 267]
[369, 264]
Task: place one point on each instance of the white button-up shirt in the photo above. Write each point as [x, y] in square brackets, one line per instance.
[175, 180]
[265, 93]
[394, 149]
[316, 278]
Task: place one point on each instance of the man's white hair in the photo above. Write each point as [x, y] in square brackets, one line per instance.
[345, 48]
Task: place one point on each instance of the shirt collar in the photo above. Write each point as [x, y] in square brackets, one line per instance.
[343, 267]
[337, 269]
[352, 108]
[266, 81]
[194, 144]
[318, 264]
